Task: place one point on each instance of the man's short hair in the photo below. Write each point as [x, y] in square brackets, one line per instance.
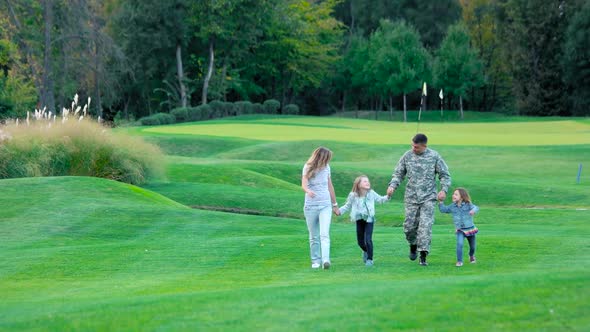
[420, 139]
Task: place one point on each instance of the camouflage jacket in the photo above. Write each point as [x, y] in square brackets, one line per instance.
[421, 171]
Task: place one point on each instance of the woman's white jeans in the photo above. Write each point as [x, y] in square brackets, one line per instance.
[318, 220]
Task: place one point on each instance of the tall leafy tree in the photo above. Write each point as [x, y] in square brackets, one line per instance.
[352, 78]
[47, 92]
[534, 31]
[576, 60]
[17, 92]
[65, 48]
[481, 17]
[302, 43]
[150, 33]
[87, 59]
[214, 19]
[25, 34]
[457, 67]
[231, 33]
[398, 61]
[430, 18]
[20, 85]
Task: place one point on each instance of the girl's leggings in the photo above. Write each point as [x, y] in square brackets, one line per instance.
[364, 236]
[471, 239]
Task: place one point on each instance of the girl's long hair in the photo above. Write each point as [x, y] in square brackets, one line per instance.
[356, 185]
[319, 160]
[464, 195]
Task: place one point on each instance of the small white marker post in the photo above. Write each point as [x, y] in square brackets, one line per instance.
[440, 96]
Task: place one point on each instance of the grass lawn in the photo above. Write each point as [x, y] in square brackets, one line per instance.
[82, 253]
[565, 132]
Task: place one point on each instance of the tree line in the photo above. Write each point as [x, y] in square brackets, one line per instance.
[141, 57]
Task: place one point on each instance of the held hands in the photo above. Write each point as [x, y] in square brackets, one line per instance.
[441, 196]
[390, 191]
[471, 212]
[336, 210]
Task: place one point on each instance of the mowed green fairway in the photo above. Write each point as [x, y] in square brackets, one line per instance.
[373, 132]
[91, 254]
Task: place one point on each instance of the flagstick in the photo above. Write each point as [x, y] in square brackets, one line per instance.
[418, 126]
[440, 96]
[422, 105]
[420, 114]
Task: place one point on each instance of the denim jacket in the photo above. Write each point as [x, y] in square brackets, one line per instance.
[461, 216]
[363, 207]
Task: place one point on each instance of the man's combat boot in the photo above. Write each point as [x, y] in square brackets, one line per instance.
[413, 252]
[423, 255]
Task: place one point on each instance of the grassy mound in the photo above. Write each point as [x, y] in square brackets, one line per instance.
[522, 177]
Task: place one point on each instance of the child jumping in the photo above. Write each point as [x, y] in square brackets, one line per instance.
[462, 210]
[361, 203]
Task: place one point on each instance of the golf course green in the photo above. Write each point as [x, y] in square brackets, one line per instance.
[220, 244]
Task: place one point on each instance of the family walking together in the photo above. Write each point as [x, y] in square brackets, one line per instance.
[420, 166]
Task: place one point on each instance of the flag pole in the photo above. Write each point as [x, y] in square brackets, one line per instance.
[422, 105]
[440, 95]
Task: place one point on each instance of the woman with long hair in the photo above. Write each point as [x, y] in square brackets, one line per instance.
[320, 202]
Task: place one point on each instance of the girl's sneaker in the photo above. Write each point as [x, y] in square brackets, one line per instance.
[315, 265]
[472, 259]
[459, 264]
[369, 262]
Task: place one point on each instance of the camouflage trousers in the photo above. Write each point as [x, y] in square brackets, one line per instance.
[418, 224]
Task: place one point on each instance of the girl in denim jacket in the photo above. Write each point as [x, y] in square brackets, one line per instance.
[462, 210]
[361, 204]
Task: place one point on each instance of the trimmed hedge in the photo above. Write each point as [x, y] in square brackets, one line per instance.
[218, 109]
[229, 108]
[193, 114]
[157, 119]
[291, 109]
[204, 112]
[243, 107]
[271, 106]
[258, 109]
[180, 114]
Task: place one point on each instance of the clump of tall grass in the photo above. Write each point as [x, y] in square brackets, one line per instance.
[45, 145]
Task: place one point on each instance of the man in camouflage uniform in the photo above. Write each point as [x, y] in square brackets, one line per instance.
[420, 165]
